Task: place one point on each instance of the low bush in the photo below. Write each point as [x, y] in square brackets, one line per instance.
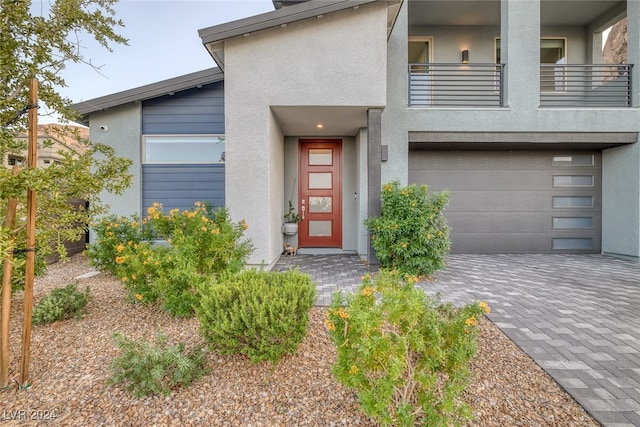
[405, 354]
[156, 368]
[262, 315]
[60, 304]
[112, 234]
[200, 243]
[412, 234]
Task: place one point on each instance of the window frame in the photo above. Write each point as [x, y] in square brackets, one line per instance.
[220, 139]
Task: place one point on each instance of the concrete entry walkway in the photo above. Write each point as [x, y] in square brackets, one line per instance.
[577, 316]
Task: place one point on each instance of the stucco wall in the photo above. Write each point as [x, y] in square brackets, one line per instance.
[336, 60]
[621, 200]
[123, 134]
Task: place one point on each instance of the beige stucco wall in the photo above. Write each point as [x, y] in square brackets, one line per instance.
[336, 60]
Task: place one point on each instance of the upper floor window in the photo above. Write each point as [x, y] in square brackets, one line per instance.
[183, 148]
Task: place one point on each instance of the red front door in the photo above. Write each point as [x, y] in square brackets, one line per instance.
[319, 194]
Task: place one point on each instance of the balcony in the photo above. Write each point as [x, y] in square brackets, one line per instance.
[585, 86]
[482, 85]
[456, 85]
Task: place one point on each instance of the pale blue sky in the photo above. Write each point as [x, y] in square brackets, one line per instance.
[163, 43]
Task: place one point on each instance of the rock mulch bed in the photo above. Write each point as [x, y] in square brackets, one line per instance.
[70, 367]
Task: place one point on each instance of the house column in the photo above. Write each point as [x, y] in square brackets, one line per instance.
[374, 171]
[633, 48]
[520, 51]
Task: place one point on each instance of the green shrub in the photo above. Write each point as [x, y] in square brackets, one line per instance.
[201, 242]
[412, 234]
[262, 315]
[61, 303]
[113, 232]
[155, 368]
[406, 355]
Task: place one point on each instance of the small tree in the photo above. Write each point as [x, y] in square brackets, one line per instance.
[412, 235]
[34, 46]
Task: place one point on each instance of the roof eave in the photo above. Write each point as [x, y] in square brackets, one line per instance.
[213, 37]
[153, 90]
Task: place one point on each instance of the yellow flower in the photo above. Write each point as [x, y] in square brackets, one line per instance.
[342, 313]
[244, 225]
[174, 212]
[203, 228]
[330, 325]
[411, 279]
[428, 236]
[485, 307]
[204, 218]
[130, 242]
[139, 297]
[134, 224]
[367, 291]
[215, 231]
[387, 187]
[120, 248]
[471, 321]
[198, 203]
[119, 259]
[439, 233]
[404, 245]
[133, 277]
[124, 279]
[353, 370]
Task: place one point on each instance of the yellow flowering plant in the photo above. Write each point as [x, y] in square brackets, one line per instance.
[163, 257]
[412, 234]
[405, 354]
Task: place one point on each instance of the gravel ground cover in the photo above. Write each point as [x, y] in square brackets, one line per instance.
[70, 367]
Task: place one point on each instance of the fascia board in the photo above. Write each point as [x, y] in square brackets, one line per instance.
[310, 9]
[149, 91]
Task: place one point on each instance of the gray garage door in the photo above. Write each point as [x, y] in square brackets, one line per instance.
[516, 201]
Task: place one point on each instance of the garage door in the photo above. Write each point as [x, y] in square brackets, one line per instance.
[516, 201]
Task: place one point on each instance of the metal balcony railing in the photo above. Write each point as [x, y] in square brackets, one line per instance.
[456, 85]
[588, 85]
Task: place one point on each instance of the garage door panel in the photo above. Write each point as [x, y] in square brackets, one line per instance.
[510, 202]
[478, 160]
[484, 180]
[498, 201]
[498, 222]
[490, 243]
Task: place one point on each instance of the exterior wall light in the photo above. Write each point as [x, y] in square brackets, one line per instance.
[465, 56]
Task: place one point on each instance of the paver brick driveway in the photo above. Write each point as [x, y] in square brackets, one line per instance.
[577, 316]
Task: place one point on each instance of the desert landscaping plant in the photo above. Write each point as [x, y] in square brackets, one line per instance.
[406, 355]
[156, 368]
[412, 234]
[165, 256]
[62, 303]
[262, 315]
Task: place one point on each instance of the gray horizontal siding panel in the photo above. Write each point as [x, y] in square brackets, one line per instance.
[194, 111]
[180, 186]
[162, 110]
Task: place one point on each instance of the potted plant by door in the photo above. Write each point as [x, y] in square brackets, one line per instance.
[291, 220]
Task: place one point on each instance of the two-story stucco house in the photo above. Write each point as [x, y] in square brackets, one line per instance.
[505, 103]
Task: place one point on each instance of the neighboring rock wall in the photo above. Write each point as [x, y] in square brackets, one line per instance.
[615, 48]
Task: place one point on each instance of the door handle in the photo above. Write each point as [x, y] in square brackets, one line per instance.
[303, 209]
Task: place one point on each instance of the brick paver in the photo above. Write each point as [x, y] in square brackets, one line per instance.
[577, 316]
